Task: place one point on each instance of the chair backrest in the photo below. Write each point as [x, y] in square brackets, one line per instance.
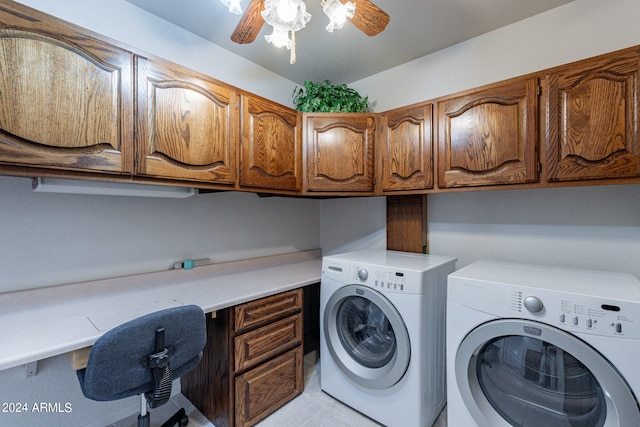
[116, 367]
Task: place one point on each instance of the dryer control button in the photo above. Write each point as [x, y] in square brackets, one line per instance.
[363, 274]
[533, 304]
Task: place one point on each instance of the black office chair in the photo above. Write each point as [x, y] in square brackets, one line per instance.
[143, 357]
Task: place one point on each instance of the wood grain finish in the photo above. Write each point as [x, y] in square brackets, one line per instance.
[407, 223]
[187, 125]
[369, 18]
[252, 363]
[263, 343]
[260, 391]
[266, 310]
[66, 98]
[271, 152]
[592, 120]
[489, 137]
[210, 385]
[339, 151]
[407, 148]
[250, 23]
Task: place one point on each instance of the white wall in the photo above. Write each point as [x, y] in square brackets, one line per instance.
[577, 30]
[590, 227]
[51, 239]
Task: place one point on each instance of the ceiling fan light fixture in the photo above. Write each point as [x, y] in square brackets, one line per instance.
[279, 38]
[233, 6]
[289, 14]
[338, 13]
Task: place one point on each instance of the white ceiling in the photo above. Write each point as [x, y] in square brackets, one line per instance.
[416, 28]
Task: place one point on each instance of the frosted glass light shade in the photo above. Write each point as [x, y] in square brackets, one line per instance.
[338, 13]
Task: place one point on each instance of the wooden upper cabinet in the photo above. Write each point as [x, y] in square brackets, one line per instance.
[187, 125]
[66, 98]
[338, 151]
[271, 152]
[592, 119]
[489, 136]
[407, 150]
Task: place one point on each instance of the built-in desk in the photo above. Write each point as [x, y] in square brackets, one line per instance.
[46, 322]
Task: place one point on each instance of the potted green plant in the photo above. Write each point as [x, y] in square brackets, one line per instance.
[323, 97]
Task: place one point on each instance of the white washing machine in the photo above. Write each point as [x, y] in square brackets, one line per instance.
[535, 346]
[382, 342]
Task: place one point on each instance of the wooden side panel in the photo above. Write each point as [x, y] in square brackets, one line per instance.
[592, 120]
[271, 153]
[209, 386]
[187, 125]
[66, 99]
[489, 137]
[262, 390]
[407, 149]
[407, 223]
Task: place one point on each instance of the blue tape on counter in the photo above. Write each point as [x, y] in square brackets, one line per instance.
[188, 264]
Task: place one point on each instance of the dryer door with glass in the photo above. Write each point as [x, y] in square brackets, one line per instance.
[515, 372]
[366, 337]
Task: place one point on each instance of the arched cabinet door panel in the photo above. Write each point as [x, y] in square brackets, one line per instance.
[66, 98]
[592, 120]
[186, 125]
[407, 148]
[489, 137]
[271, 152]
[339, 152]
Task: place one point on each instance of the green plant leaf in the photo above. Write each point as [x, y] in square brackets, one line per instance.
[325, 97]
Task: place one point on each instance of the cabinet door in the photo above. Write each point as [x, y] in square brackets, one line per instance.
[592, 119]
[271, 145]
[66, 99]
[339, 151]
[264, 389]
[407, 153]
[187, 125]
[489, 137]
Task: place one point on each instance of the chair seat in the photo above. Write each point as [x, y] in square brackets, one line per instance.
[115, 368]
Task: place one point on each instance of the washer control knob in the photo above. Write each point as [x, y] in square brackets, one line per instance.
[363, 274]
[533, 304]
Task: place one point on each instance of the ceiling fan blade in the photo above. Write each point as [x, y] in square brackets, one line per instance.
[369, 18]
[250, 24]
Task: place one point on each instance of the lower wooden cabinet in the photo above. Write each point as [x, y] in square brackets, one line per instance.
[252, 363]
[262, 390]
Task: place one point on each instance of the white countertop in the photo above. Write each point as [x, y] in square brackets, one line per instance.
[41, 323]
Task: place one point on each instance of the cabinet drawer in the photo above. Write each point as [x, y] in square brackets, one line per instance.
[265, 342]
[262, 390]
[266, 310]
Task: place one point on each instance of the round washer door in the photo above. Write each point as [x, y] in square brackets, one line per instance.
[528, 374]
[366, 337]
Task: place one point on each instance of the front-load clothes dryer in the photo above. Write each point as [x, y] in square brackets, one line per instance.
[532, 346]
[382, 317]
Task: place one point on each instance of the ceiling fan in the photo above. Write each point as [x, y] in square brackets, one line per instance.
[367, 17]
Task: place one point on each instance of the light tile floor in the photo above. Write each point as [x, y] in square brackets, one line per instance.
[313, 408]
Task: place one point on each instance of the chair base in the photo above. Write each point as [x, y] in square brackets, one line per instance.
[144, 420]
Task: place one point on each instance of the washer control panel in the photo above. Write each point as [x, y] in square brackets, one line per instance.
[381, 278]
